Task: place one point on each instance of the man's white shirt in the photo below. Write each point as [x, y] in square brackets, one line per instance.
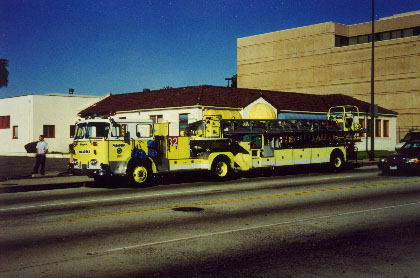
[42, 147]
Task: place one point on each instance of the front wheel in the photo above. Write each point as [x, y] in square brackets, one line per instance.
[139, 174]
[221, 169]
[337, 161]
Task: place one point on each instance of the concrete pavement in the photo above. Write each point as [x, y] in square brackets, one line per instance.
[15, 175]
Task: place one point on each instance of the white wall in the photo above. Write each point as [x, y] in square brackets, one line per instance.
[30, 113]
[20, 111]
[381, 143]
[171, 116]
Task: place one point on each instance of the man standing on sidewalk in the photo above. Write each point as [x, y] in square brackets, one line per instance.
[41, 151]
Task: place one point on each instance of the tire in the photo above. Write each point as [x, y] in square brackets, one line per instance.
[337, 161]
[139, 174]
[221, 169]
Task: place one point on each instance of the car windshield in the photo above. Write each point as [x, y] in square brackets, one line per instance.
[410, 147]
[92, 130]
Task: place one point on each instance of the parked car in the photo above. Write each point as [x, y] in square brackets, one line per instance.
[406, 159]
[412, 135]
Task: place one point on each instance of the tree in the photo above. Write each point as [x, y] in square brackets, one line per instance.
[4, 73]
[166, 88]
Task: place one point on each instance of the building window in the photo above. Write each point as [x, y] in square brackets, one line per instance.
[183, 122]
[386, 128]
[383, 36]
[341, 41]
[368, 129]
[378, 128]
[157, 119]
[72, 130]
[362, 125]
[352, 40]
[396, 34]
[4, 122]
[15, 132]
[408, 32]
[363, 39]
[49, 131]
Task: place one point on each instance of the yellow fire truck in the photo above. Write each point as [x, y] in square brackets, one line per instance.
[139, 149]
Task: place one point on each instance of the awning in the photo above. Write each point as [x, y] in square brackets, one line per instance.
[226, 114]
[300, 116]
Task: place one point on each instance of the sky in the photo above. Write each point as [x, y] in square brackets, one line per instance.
[112, 46]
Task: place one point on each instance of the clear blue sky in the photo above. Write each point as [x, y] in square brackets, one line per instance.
[110, 46]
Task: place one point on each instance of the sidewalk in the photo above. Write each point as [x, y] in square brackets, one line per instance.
[51, 180]
[16, 175]
[21, 180]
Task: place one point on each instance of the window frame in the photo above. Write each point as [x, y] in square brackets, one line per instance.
[181, 125]
[47, 134]
[15, 130]
[385, 124]
[362, 123]
[72, 131]
[157, 119]
[5, 122]
[378, 128]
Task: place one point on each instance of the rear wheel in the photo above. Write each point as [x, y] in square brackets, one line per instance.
[139, 174]
[337, 160]
[221, 169]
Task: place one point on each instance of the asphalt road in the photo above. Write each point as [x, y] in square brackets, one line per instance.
[352, 224]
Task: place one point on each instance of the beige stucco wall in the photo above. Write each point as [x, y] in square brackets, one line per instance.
[306, 60]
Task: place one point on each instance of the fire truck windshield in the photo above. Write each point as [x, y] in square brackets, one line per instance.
[92, 130]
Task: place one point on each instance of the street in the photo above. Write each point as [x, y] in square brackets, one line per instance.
[356, 223]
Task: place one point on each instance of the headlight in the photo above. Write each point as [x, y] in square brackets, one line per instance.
[412, 161]
[75, 162]
[93, 162]
[384, 160]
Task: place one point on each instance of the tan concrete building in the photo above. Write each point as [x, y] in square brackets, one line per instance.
[332, 58]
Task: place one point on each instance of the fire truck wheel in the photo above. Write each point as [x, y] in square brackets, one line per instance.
[139, 174]
[221, 169]
[337, 160]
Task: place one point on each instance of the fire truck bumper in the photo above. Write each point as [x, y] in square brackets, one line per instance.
[103, 170]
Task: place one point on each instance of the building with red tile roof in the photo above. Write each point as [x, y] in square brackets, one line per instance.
[180, 106]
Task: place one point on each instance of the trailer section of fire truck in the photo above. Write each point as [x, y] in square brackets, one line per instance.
[136, 150]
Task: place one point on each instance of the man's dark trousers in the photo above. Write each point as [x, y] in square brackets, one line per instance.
[40, 160]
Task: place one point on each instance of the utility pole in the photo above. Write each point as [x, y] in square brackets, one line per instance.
[372, 89]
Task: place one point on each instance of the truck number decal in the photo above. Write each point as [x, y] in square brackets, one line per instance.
[118, 145]
[84, 151]
[173, 141]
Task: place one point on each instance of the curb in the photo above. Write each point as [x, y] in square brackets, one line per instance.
[29, 176]
[38, 187]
